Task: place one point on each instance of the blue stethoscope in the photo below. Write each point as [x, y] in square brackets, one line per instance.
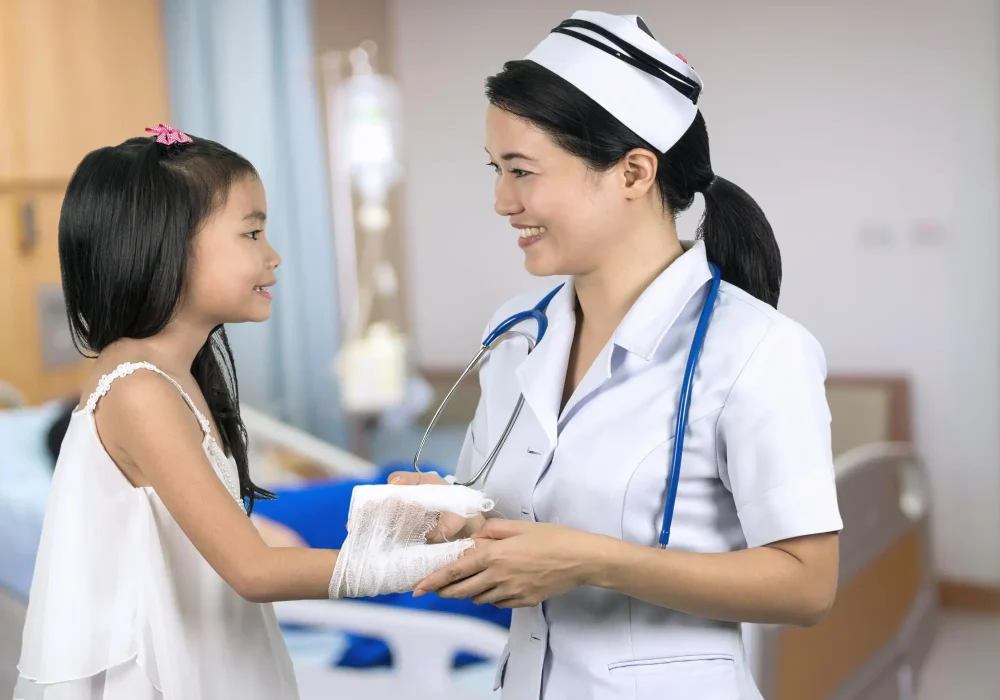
[507, 327]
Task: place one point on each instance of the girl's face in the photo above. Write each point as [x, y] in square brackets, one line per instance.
[232, 267]
[567, 218]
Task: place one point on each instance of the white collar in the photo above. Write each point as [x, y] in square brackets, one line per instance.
[657, 308]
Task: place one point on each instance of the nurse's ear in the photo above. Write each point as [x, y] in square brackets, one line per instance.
[637, 173]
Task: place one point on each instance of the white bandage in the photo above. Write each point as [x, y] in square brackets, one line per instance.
[386, 549]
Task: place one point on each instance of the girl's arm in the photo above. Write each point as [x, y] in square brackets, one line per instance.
[147, 425]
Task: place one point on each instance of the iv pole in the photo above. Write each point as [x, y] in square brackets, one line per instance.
[363, 113]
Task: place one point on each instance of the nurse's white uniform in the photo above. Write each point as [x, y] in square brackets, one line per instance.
[757, 469]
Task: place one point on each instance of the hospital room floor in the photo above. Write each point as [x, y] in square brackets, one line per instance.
[965, 661]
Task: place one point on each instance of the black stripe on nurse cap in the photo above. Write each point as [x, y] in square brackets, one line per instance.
[633, 56]
[638, 80]
[644, 27]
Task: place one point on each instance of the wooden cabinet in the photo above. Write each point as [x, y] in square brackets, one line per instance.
[7, 145]
[74, 75]
[81, 74]
[38, 354]
[9, 353]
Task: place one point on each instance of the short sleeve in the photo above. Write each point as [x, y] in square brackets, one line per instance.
[774, 440]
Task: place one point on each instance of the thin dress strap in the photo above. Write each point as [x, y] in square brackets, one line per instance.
[127, 368]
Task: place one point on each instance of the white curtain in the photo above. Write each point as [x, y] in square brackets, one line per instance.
[242, 72]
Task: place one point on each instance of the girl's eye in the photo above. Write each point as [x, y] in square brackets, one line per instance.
[496, 168]
[252, 235]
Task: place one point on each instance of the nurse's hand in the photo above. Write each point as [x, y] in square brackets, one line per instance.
[515, 564]
[450, 527]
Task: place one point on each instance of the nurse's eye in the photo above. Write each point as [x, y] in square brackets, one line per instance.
[252, 235]
[496, 168]
[519, 173]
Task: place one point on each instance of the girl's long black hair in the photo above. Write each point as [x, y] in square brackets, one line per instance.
[125, 231]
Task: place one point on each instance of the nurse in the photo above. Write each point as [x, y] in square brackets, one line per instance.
[598, 144]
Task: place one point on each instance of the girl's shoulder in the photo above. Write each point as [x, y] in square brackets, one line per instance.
[138, 390]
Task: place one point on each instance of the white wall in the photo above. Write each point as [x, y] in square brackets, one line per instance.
[868, 132]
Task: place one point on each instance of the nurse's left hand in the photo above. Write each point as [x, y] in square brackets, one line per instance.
[515, 564]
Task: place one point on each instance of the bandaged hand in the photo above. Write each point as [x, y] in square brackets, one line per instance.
[450, 526]
[386, 549]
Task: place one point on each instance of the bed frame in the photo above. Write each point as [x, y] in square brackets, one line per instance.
[875, 640]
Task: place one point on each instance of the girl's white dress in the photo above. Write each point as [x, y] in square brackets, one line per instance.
[122, 606]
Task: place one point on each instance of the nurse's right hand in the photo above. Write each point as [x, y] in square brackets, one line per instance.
[450, 527]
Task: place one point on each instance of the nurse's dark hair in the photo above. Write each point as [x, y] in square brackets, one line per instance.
[737, 235]
[126, 228]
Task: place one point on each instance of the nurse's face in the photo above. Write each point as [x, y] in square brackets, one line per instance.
[566, 217]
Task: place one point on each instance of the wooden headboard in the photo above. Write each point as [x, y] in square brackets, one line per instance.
[868, 409]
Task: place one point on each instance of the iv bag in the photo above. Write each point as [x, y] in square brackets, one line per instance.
[372, 370]
[372, 134]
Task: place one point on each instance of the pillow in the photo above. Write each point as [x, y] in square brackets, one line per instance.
[25, 474]
[25, 461]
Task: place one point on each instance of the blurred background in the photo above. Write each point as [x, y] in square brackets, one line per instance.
[869, 132]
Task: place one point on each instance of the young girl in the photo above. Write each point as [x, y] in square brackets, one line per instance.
[151, 581]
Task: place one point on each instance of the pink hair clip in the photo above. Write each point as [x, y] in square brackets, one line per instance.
[168, 135]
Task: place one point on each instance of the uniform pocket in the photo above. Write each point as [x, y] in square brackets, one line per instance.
[501, 671]
[702, 676]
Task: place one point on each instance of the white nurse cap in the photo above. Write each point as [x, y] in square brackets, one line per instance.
[615, 61]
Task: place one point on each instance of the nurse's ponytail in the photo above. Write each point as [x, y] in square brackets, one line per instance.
[737, 235]
[739, 239]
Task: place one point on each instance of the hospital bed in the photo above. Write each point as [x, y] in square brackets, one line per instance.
[423, 644]
[871, 646]
[874, 641]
